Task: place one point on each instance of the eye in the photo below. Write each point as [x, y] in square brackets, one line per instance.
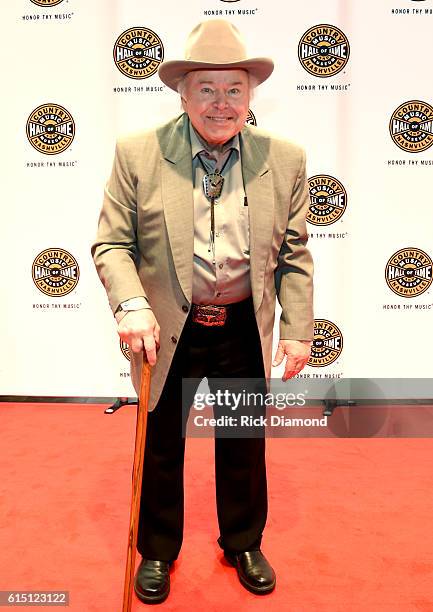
[234, 91]
[206, 90]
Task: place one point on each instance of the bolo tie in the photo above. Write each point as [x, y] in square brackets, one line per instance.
[212, 186]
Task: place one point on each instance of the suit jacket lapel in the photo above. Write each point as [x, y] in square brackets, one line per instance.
[259, 189]
[177, 198]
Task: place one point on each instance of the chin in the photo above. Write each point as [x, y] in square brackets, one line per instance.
[219, 139]
[221, 135]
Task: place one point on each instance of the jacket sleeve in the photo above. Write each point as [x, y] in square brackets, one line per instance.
[115, 250]
[294, 272]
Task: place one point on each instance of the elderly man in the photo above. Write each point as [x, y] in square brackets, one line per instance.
[202, 227]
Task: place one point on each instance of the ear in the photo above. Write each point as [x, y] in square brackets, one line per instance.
[183, 102]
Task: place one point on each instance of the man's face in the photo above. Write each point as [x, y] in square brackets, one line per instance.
[217, 103]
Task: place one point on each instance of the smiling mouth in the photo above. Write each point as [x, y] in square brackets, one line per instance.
[220, 119]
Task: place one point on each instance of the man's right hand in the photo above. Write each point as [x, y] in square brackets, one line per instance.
[139, 329]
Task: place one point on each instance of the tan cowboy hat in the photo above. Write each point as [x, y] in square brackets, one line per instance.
[215, 44]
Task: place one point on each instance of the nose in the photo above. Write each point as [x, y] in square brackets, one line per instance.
[220, 100]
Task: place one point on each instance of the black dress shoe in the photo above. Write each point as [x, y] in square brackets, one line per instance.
[152, 581]
[254, 571]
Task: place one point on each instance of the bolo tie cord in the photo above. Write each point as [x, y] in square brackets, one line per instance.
[212, 205]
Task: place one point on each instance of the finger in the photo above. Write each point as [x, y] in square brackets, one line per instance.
[288, 375]
[156, 334]
[136, 344]
[292, 368]
[279, 355]
[150, 348]
[302, 365]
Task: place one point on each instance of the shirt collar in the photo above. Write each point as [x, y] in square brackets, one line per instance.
[198, 144]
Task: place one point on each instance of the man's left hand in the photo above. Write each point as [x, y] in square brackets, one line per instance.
[297, 353]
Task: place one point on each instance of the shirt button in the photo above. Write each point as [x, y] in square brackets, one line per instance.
[174, 339]
[185, 308]
[221, 266]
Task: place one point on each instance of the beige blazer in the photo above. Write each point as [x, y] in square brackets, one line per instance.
[144, 244]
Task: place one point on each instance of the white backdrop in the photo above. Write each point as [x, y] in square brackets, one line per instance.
[63, 54]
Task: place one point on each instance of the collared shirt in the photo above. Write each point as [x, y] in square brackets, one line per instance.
[228, 280]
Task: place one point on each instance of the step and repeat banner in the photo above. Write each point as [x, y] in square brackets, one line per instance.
[352, 84]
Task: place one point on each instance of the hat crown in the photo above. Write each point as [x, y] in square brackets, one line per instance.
[217, 42]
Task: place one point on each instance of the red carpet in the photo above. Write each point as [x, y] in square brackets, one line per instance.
[349, 529]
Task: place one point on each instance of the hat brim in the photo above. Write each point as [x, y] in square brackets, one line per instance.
[172, 72]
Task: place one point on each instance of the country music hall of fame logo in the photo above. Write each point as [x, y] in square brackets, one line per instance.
[50, 129]
[327, 344]
[408, 272]
[324, 50]
[138, 52]
[251, 119]
[411, 126]
[55, 272]
[124, 347]
[46, 2]
[328, 200]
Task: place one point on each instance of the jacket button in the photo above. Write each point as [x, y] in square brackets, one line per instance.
[174, 339]
[185, 308]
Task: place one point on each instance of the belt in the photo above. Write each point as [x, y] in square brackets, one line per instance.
[214, 315]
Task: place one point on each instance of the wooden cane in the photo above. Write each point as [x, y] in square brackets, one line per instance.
[137, 474]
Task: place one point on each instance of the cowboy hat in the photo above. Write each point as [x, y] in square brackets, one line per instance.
[215, 44]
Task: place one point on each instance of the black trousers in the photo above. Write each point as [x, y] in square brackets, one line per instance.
[230, 351]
